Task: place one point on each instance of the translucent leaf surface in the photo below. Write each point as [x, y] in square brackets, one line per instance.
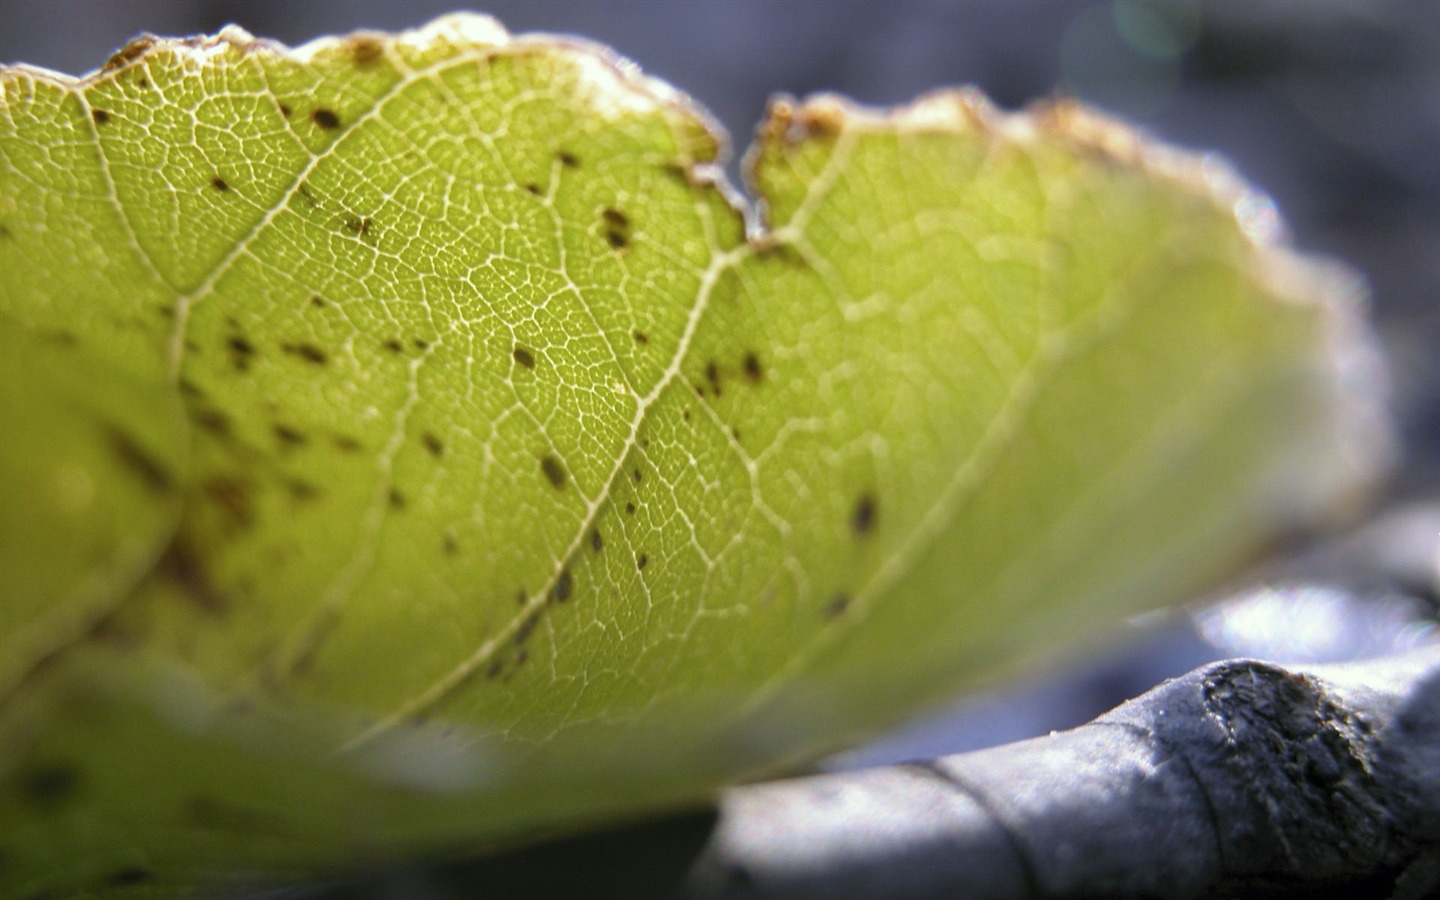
[409, 441]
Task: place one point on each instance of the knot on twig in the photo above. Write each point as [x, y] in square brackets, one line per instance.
[1309, 764]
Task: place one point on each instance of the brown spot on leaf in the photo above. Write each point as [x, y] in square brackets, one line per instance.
[101, 117]
[346, 444]
[524, 357]
[822, 119]
[288, 435]
[219, 184]
[308, 352]
[640, 337]
[642, 561]
[241, 351]
[712, 375]
[533, 188]
[862, 520]
[617, 228]
[448, 544]
[325, 118]
[135, 48]
[233, 498]
[130, 876]
[527, 627]
[213, 421]
[285, 110]
[301, 491]
[183, 565]
[568, 159]
[48, 787]
[358, 225]
[637, 475]
[138, 460]
[396, 499]
[836, 606]
[629, 508]
[394, 346]
[553, 470]
[563, 585]
[752, 368]
[365, 50]
[432, 444]
[597, 543]
[679, 171]
[317, 301]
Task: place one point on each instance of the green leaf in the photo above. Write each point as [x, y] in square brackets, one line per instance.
[409, 442]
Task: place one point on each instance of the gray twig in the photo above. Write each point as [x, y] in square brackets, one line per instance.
[1241, 778]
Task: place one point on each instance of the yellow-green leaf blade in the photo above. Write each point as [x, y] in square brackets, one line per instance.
[509, 483]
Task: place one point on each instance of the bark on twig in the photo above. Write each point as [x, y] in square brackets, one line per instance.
[1240, 779]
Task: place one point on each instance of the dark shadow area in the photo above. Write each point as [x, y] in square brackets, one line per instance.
[644, 861]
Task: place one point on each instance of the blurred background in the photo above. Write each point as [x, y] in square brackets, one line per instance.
[1332, 106]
